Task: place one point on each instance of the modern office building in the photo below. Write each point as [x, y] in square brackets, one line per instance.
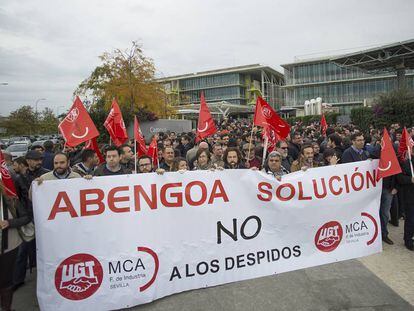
[350, 80]
[232, 89]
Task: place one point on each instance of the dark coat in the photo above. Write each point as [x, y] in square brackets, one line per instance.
[350, 155]
[293, 150]
[48, 160]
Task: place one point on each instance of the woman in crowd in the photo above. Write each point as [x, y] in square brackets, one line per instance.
[179, 164]
[203, 160]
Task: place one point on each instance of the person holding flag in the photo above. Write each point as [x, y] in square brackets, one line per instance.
[387, 169]
[406, 187]
[13, 216]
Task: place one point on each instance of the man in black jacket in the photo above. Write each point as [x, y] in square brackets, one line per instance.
[27, 249]
[295, 145]
[406, 192]
[113, 164]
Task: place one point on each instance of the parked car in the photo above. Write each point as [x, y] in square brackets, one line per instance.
[18, 150]
[38, 143]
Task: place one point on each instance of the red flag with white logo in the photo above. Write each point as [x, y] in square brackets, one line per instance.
[405, 141]
[8, 184]
[324, 125]
[206, 126]
[266, 117]
[272, 139]
[77, 127]
[93, 144]
[153, 152]
[115, 125]
[139, 139]
[388, 164]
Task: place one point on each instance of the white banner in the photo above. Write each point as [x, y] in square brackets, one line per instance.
[120, 241]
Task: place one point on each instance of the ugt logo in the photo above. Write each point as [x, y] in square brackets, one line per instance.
[329, 236]
[78, 277]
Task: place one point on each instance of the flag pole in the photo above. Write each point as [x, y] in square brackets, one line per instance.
[265, 150]
[135, 155]
[409, 157]
[1, 205]
[2, 219]
[250, 142]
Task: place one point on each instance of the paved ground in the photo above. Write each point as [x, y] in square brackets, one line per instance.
[379, 282]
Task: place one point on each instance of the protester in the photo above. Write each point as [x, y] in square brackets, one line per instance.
[250, 157]
[14, 217]
[89, 162]
[356, 152]
[27, 250]
[273, 165]
[112, 165]
[295, 144]
[127, 157]
[406, 192]
[168, 157]
[233, 159]
[144, 164]
[305, 160]
[180, 164]
[282, 148]
[61, 169]
[203, 160]
[217, 157]
[48, 155]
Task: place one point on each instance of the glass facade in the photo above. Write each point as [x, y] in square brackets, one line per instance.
[336, 85]
[229, 87]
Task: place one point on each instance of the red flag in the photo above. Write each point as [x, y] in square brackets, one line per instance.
[324, 125]
[141, 148]
[77, 127]
[272, 139]
[115, 125]
[153, 152]
[206, 126]
[388, 164]
[266, 117]
[8, 184]
[93, 144]
[405, 141]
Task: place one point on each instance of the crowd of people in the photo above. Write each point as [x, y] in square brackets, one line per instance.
[237, 145]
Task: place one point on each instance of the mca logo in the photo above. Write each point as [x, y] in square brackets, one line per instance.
[72, 115]
[78, 277]
[329, 236]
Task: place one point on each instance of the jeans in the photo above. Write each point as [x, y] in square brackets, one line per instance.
[386, 201]
[27, 251]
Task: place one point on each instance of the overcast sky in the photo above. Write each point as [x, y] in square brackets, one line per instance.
[48, 47]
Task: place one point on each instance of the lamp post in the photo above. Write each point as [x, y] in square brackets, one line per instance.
[37, 101]
[36, 116]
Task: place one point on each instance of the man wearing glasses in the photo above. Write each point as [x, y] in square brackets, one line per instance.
[356, 152]
[282, 148]
[144, 165]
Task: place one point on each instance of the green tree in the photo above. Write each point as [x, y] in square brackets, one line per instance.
[21, 121]
[129, 77]
[47, 122]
